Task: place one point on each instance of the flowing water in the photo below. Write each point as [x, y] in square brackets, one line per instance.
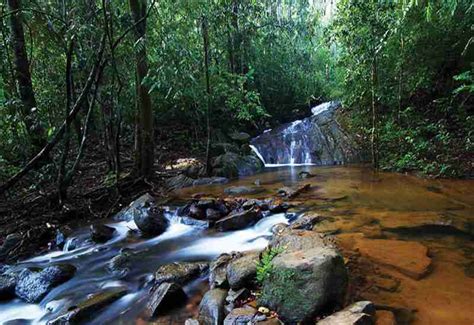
[437, 213]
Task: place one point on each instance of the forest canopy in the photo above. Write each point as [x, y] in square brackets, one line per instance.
[133, 81]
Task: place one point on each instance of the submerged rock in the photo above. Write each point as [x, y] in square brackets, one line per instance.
[33, 286]
[210, 181]
[85, 310]
[359, 313]
[179, 273]
[211, 308]
[409, 258]
[101, 233]
[164, 297]
[238, 220]
[243, 190]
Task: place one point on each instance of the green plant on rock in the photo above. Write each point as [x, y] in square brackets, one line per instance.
[264, 265]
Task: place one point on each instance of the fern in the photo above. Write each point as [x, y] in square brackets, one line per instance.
[264, 265]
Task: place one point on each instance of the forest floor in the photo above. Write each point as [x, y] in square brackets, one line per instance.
[35, 213]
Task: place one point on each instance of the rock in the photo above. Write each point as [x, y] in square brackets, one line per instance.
[163, 298]
[318, 139]
[305, 174]
[240, 316]
[292, 193]
[202, 224]
[151, 220]
[120, 264]
[306, 222]
[239, 295]
[242, 271]
[101, 233]
[243, 190]
[7, 286]
[211, 308]
[10, 243]
[222, 208]
[385, 317]
[128, 213]
[179, 181]
[211, 181]
[218, 271]
[34, 286]
[86, 309]
[179, 273]
[238, 220]
[409, 258]
[191, 321]
[278, 207]
[196, 212]
[232, 165]
[293, 240]
[212, 214]
[359, 313]
[206, 204]
[304, 282]
[240, 136]
[270, 321]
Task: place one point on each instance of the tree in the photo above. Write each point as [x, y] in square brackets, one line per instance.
[144, 132]
[29, 109]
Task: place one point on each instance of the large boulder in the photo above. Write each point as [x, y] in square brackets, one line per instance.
[151, 220]
[232, 165]
[211, 308]
[307, 277]
[238, 220]
[33, 286]
[241, 271]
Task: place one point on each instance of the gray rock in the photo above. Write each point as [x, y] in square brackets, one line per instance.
[304, 282]
[243, 190]
[127, 213]
[196, 212]
[150, 220]
[120, 264]
[359, 313]
[240, 136]
[211, 308]
[179, 181]
[218, 271]
[202, 224]
[241, 272]
[163, 298]
[101, 233]
[233, 165]
[7, 286]
[292, 240]
[212, 214]
[239, 295]
[179, 273]
[191, 321]
[206, 204]
[240, 316]
[238, 220]
[306, 222]
[34, 286]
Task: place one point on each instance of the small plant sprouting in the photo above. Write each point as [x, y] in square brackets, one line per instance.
[264, 265]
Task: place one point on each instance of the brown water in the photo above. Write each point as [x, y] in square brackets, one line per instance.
[363, 207]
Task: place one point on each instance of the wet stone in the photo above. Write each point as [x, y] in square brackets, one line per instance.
[101, 233]
[238, 316]
[179, 272]
[163, 298]
[7, 286]
[238, 220]
[211, 308]
[33, 286]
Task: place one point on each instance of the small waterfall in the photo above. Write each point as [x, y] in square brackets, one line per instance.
[316, 140]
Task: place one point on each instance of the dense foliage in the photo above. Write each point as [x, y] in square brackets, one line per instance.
[402, 68]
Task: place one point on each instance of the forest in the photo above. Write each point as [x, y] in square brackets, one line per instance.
[104, 101]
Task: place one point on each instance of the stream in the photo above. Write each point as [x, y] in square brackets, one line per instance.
[354, 200]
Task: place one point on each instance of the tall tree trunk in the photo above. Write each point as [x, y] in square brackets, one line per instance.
[144, 149]
[374, 138]
[205, 39]
[29, 110]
